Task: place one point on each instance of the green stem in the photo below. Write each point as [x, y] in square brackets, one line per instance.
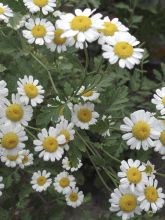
[49, 74]
[109, 155]
[111, 177]
[32, 135]
[86, 57]
[161, 174]
[33, 128]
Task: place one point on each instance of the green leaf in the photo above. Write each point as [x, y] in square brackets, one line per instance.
[2, 68]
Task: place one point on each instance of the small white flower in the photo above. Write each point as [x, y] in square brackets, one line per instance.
[64, 182]
[139, 129]
[15, 112]
[12, 138]
[30, 91]
[110, 123]
[49, 144]
[3, 92]
[159, 100]
[125, 203]
[5, 13]
[41, 181]
[66, 164]
[132, 174]
[88, 95]
[121, 47]
[83, 26]
[110, 27]
[83, 115]
[1, 185]
[150, 169]
[74, 198]
[11, 159]
[27, 158]
[151, 197]
[39, 31]
[45, 6]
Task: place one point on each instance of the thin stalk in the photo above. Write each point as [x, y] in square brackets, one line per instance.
[161, 174]
[33, 128]
[32, 135]
[109, 155]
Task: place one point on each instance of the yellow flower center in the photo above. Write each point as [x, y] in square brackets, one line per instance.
[25, 159]
[123, 50]
[14, 112]
[81, 23]
[128, 203]
[50, 144]
[162, 137]
[39, 31]
[12, 157]
[151, 194]
[87, 94]
[141, 130]
[163, 100]
[31, 90]
[10, 140]
[109, 29]
[84, 115]
[148, 169]
[134, 175]
[41, 180]
[2, 10]
[73, 197]
[40, 3]
[66, 134]
[57, 37]
[64, 182]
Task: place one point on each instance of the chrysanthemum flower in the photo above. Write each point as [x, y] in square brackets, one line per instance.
[1, 185]
[151, 197]
[3, 92]
[125, 203]
[139, 129]
[149, 169]
[110, 27]
[159, 100]
[132, 174]
[12, 138]
[83, 25]
[49, 144]
[39, 31]
[74, 198]
[66, 164]
[64, 182]
[5, 13]
[88, 95]
[27, 158]
[30, 91]
[11, 160]
[122, 47]
[83, 115]
[41, 181]
[45, 6]
[15, 112]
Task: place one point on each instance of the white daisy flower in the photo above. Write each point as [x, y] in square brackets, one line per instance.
[110, 27]
[122, 47]
[39, 31]
[83, 25]
[59, 43]
[45, 6]
[83, 115]
[48, 144]
[1, 185]
[64, 182]
[159, 100]
[132, 174]
[3, 92]
[74, 198]
[151, 197]
[15, 112]
[150, 169]
[88, 95]
[66, 164]
[65, 128]
[11, 160]
[41, 181]
[5, 13]
[12, 138]
[125, 203]
[27, 158]
[30, 91]
[139, 129]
